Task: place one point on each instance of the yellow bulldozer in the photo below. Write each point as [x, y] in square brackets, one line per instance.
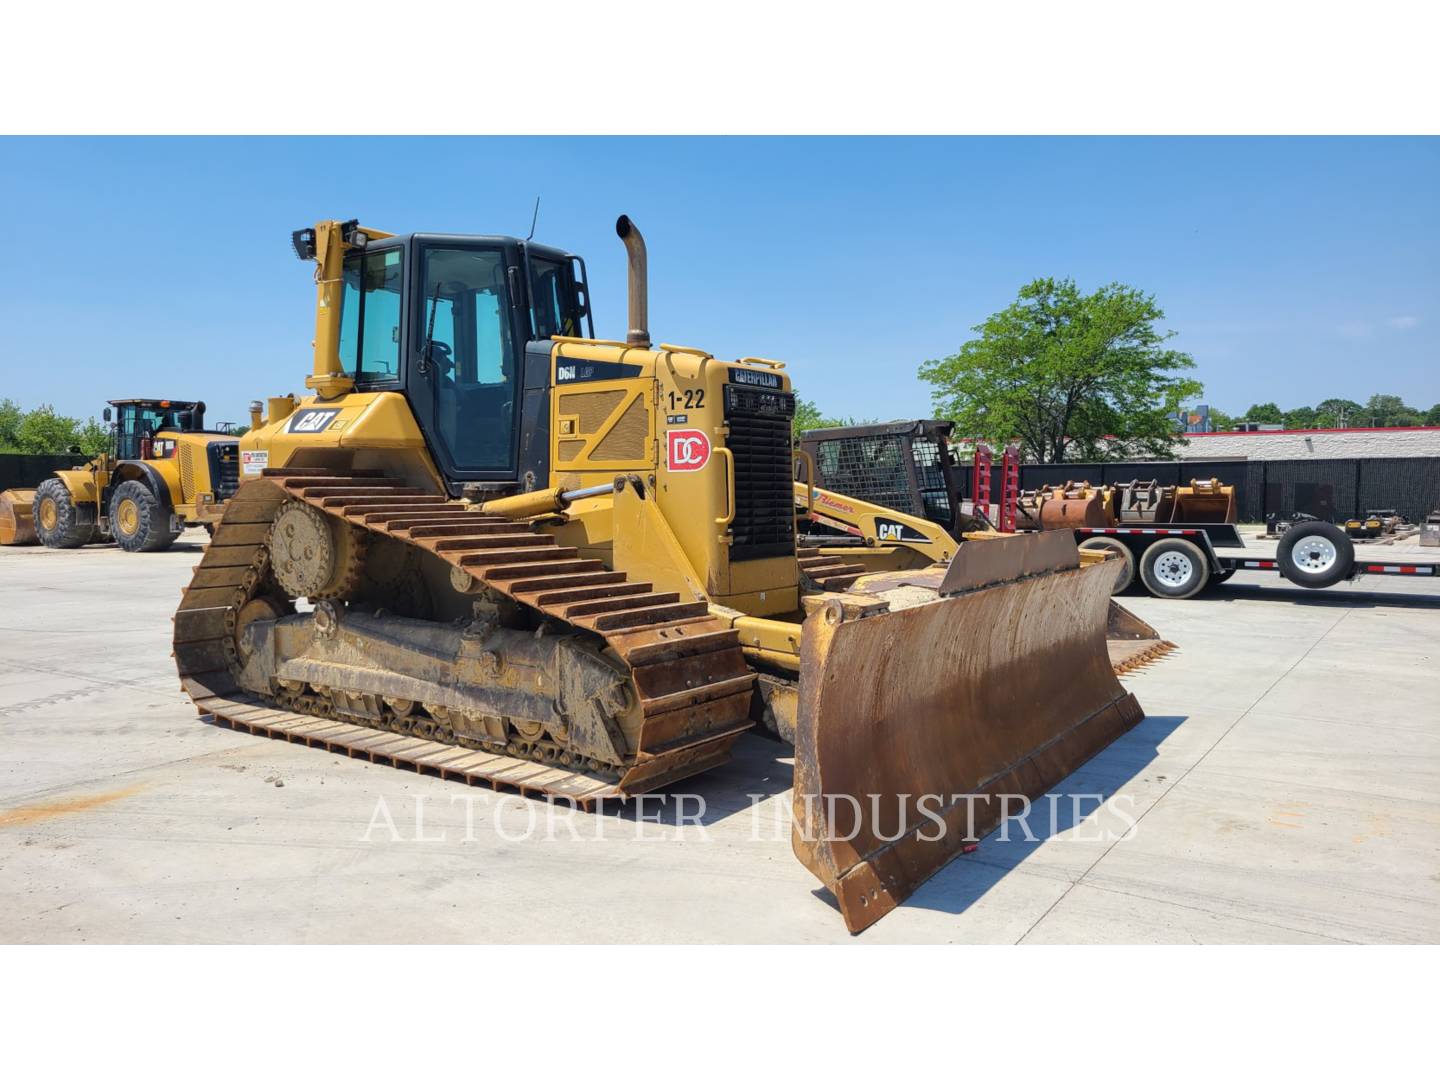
[492, 547]
[163, 471]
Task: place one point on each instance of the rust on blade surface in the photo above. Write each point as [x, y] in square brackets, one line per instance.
[989, 562]
[1001, 690]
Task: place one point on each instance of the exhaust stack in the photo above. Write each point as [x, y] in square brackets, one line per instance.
[639, 333]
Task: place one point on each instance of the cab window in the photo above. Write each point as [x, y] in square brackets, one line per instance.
[370, 316]
[467, 344]
[555, 310]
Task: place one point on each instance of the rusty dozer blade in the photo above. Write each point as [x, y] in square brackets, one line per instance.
[914, 723]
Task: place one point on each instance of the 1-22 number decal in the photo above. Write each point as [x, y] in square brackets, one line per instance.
[690, 399]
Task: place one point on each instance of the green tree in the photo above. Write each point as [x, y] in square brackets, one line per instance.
[1300, 419]
[1221, 421]
[43, 431]
[93, 437]
[807, 416]
[1388, 410]
[1268, 413]
[1337, 412]
[1432, 416]
[10, 416]
[1064, 371]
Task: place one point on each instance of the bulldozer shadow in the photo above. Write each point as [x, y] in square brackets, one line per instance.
[760, 769]
[1082, 813]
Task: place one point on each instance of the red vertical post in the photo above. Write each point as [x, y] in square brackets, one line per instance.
[980, 488]
[1009, 488]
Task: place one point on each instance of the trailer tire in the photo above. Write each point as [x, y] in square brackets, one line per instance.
[59, 523]
[1126, 577]
[1315, 555]
[1174, 569]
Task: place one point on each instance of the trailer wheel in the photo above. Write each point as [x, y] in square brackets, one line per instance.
[138, 520]
[59, 523]
[1174, 568]
[1315, 554]
[1126, 577]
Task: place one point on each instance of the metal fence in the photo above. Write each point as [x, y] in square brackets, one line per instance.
[27, 470]
[1328, 488]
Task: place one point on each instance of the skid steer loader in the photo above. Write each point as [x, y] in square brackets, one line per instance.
[492, 547]
[859, 547]
[163, 471]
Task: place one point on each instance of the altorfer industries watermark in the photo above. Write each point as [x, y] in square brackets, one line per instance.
[1069, 817]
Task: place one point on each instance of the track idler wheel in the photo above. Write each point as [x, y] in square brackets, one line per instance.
[314, 554]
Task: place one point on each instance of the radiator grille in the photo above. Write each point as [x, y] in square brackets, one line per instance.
[760, 439]
[224, 469]
[187, 473]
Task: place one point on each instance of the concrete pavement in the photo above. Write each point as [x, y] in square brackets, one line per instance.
[1285, 787]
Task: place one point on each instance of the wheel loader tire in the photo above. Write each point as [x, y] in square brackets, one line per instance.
[59, 523]
[1126, 577]
[1315, 554]
[138, 521]
[1175, 569]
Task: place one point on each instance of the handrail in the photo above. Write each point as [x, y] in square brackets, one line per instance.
[809, 478]
[729, 518]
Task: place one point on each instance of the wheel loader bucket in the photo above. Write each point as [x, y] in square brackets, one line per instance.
[919, 729]
[17, 517]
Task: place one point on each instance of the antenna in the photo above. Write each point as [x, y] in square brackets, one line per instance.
[534, 218]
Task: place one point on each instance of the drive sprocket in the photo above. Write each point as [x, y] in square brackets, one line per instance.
[314, 554]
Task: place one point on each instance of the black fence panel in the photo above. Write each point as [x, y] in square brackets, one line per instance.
[1325, 488]
[1410, 486]
[27, 470]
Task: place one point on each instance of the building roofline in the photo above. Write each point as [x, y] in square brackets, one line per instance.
[1302, 431]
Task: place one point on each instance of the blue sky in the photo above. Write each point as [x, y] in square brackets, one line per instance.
[1292, 269]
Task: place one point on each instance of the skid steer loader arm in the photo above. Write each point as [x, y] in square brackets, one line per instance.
[919, 729]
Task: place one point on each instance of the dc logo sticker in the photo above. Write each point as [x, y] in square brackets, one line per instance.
[687, 450]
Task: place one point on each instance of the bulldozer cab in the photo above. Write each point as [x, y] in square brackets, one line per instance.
[137, 421]
[449, 322]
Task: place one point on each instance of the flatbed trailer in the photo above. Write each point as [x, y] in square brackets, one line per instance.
[1179, 560]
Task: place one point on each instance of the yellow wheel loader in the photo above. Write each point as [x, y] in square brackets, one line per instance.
[162, 472]
[491, 547]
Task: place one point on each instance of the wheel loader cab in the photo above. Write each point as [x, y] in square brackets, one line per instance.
[449, 322]
[137, 422]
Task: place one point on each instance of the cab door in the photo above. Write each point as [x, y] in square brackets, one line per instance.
[466, 355]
